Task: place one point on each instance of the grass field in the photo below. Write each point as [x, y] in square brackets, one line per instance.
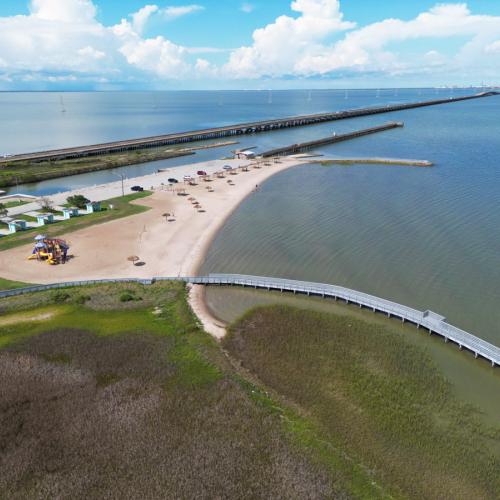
[25, 171]
[121, 208]
[369, 394]
[115, 392]
[9, 285]
[13, 204]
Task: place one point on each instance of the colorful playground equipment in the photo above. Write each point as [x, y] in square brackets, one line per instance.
[51, 250]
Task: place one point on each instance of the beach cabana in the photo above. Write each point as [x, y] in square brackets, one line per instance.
[93, 206]
[43, 219]
[17, 225]
[70, 212]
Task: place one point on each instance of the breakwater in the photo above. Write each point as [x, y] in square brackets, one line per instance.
[375, 161]
[227, 131]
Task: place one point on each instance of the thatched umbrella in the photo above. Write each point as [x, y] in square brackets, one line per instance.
[133, 259]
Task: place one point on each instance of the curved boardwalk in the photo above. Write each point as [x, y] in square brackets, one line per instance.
[426, 319]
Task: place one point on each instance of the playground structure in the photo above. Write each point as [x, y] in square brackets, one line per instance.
[51, 250]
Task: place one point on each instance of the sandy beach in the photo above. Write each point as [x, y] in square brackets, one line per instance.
[172, 246]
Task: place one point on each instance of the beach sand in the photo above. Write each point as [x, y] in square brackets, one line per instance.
[168, 249]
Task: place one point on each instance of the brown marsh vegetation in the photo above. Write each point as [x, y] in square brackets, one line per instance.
[107, 399]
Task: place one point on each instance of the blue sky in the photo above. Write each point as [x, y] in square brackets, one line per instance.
[136, 44]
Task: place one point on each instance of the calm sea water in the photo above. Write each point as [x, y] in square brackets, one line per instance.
[428, 238]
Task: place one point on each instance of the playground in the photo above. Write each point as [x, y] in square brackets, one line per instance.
[53, 251]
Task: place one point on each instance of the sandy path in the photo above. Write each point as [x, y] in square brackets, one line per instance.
[166, 248]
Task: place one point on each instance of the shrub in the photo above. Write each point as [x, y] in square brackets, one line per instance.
[82, 299]
[129, 297]
[59, 297]
[78, 200]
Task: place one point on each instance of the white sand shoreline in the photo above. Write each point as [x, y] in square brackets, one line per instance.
[166, 248]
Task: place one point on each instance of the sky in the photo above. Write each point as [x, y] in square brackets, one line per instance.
[247, 44]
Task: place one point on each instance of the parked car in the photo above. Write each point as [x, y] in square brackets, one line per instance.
[137, 188]
[173, 181]
[201, 172]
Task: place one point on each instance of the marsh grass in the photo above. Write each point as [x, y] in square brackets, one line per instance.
[26, 171]
[112, 400]
[368, 394]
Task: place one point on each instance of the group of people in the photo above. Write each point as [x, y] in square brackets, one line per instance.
[54, 251]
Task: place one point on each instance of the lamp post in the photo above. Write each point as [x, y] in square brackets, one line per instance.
[121, 177]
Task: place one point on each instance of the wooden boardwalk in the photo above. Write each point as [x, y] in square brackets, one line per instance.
[228, 131]
[433, 322]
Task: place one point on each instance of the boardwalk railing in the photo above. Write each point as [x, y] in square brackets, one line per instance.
[433, 322]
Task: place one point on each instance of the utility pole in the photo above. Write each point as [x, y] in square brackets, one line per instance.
[121, 177]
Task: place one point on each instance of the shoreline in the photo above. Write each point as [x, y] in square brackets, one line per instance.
[179, 252]
[27, 172]
[166, 248]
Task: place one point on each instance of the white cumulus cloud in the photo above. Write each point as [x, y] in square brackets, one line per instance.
[182, 10]
[279, 46]
[141, 17]
[297, 46]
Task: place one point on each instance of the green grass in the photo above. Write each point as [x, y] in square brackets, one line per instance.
[368, 398]
[25, 171]
[13, 204]
[137, 400]
[122, 208]
[9, 285]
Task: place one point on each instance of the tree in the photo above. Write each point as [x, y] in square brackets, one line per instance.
[45, 203]
[78, 200]
[3, 210]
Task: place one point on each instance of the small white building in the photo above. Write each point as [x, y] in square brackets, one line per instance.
[93, 206]
[43, 219]
[70, 212]
[17, 225]
[245, 155]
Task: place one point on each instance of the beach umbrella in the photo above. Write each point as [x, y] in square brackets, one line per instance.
[133, 259]
[40, 237]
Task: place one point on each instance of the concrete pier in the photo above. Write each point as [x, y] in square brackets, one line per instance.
[305, 146]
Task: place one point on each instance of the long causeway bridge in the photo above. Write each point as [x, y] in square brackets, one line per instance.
[429, 320]
[228, 131]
